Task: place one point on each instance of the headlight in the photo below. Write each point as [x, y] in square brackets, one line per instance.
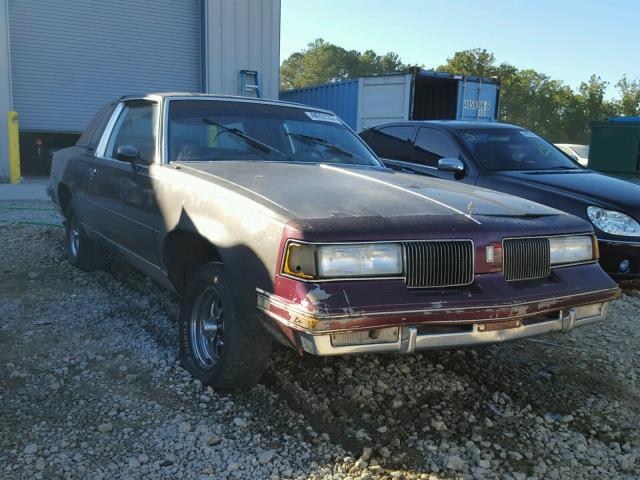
[576, 249]
[343, 260]
[615, 223]
[359, 260]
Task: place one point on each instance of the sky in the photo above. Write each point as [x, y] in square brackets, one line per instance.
[566, 39]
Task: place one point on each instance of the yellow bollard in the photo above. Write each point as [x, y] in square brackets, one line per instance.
[14, 147]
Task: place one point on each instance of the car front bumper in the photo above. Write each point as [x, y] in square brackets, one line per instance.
[614, 252]
[414, 338]
[385, 316]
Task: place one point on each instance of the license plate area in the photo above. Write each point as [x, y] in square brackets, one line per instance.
[495, 326]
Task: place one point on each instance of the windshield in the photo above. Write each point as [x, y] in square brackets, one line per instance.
[514, 149]
[209, 130]
[581, 150]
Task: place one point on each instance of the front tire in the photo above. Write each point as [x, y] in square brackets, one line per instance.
[82, 252]
[218, 345]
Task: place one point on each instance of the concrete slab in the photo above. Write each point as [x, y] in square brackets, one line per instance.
[30, 189]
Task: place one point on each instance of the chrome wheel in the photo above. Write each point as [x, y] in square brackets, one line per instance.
[206, 329]
[74, 236]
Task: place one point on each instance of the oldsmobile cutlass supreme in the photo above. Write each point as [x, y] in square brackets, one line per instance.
[276, 221]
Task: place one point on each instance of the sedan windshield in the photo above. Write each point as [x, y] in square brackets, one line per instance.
[514, 149]
[210, 130]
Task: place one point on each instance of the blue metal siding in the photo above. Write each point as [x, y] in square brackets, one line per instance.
[339, 97]
[68, 58]
[477, 101]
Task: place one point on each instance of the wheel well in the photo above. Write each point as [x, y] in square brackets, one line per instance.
[184, 252]
[64, 197]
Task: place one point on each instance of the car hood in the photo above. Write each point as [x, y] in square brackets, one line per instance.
[311, 191]
[592, 187]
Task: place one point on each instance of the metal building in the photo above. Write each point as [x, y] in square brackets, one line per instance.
[59, 61]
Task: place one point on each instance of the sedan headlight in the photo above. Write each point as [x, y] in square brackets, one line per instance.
[327, 261]
[615, 223]
[566, 250]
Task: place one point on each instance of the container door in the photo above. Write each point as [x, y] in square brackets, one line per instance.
[477, 101]
[384, 98]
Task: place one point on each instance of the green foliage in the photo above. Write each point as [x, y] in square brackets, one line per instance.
[528, 98]
[544, 105]
[629, 103]
[323, 62]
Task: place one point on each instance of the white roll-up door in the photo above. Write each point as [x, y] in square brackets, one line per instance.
[68, 58]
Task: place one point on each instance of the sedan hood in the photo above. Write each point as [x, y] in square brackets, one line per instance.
[312, 191]
[593, 187]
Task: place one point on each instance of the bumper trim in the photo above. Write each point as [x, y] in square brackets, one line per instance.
[410, 341]
[293, 316]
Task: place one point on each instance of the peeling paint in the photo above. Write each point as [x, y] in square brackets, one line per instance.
[318, 295]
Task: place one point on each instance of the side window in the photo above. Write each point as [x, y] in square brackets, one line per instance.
[432, 145]
[136, 127]
[91, 135]
[392, 142]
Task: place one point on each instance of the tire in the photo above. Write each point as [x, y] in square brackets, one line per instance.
[218, 345]
[82, 252]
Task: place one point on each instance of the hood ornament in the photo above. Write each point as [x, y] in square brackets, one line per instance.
[470, 208]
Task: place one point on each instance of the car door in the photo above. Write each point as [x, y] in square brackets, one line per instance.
[78, 166]
[392, 144]
[122, 191]
[429, 147]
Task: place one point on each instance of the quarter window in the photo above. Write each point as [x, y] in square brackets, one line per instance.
[432, 145]
[136, 127]
[392, 142]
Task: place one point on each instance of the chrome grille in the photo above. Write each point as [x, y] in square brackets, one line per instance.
[526, 258]
[437, 263]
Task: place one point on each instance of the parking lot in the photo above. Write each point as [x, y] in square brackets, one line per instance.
[90, 388]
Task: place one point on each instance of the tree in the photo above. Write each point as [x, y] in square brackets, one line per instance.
[540, 103]
[629, 103]
[323, 62]
[476, 62]
[527, 97]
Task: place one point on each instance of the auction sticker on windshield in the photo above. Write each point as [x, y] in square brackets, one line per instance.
[323, 117]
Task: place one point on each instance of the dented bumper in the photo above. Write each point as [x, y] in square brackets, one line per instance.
[385, 316]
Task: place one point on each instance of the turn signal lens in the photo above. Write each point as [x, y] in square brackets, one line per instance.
[300, 261]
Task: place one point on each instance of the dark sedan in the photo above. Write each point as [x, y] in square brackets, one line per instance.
[511, 159]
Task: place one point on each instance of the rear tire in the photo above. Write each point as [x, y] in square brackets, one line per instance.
[218, 345]
[82, 252]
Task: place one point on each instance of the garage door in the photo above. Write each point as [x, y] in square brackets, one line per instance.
[68, 58]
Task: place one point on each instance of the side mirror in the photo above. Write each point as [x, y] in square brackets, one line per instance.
[448, 164]
[128, 153]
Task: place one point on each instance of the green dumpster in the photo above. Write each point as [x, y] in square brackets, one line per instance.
[615, 147]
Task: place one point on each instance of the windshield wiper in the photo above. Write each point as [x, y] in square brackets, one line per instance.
[321, 141]
[252, 142]
[562, 167]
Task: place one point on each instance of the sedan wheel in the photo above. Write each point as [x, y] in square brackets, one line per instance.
[220, 344]
[83, 252]
[207, 328]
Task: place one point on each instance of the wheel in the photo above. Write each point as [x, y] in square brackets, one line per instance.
[81, 250]
[218, 345]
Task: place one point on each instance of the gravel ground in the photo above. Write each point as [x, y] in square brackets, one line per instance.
[90, 389]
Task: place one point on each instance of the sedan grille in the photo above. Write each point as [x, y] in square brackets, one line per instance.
[445, 263]
[526, 258]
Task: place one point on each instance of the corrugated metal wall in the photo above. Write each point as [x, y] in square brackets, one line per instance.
[5, 91]
[242, 35]
[340, 97]
[68, 58]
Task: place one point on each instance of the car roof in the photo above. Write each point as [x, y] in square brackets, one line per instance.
[448, 124]
[210, 96]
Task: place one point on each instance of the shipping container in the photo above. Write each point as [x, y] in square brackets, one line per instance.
[425, 95]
